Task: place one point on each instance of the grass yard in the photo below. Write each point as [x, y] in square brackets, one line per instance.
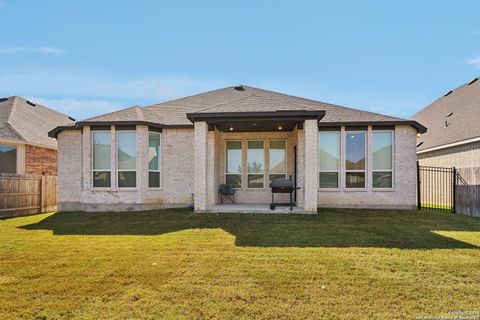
[173, 264]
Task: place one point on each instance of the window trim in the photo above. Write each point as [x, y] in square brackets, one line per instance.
[92, 175]
[392, 132]
[226, 162]
[117, 132]
[286, 158]
[365, 170]
[246, 167]
[339, 161]
[159, 160]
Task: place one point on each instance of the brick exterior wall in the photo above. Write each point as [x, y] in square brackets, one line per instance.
[310, 187]
[200, 172]
[75, 183]
[40, 160]
[195, 160]
[403, 194]
[463, 156]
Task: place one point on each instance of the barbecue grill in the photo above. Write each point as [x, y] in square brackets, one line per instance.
[282, 186]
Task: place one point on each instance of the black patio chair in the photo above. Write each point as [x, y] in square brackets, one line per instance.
[227, 192]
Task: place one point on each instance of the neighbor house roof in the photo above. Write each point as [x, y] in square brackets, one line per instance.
[239, 99]
[28, 122]
[452, 118]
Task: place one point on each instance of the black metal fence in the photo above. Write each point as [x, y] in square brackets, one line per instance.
[436, 188]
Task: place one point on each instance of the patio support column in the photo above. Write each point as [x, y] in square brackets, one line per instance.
[200, 167]
[212, 168]
[311, 165]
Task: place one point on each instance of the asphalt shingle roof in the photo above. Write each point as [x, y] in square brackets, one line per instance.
[247, 100]
[24, 121]
[451, 118]
[230, 99]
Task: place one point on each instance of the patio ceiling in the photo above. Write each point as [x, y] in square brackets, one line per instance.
[256, 121]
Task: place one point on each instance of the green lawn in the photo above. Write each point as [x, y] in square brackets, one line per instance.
[173, 264]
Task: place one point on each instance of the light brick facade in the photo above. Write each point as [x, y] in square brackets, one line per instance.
[462, 156]
[193, 163]
[403, 193]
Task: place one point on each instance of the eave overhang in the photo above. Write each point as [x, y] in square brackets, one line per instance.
[420, 128]
[215, 117]
[77, 126]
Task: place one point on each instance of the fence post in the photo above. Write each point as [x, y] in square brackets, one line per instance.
[43, 185]
[419, 200]
[454, 189]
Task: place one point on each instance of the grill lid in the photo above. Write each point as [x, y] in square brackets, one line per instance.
[282, 184]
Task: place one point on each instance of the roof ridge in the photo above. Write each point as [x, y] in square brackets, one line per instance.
[18, 134]
[14, 103]
[229, 101]
[194, 95]
[327, 103]
[109, 113]
[139, 112]
[271, 98]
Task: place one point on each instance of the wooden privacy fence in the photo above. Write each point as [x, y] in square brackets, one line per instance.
[27, 194]
[467, 191]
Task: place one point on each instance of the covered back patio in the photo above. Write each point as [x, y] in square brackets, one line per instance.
[250, 149]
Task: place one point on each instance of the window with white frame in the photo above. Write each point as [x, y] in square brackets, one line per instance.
[154, 159]
[233, 167]
[382, 155]
[355, 159]
[8, 159]
[277, 159]
[102, 149]
[126, 159]
[255, 164]
[329, 159]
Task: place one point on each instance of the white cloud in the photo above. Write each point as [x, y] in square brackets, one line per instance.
[474, 62]
[393, 103]
[41, 50]
[83, 95]
[89, 85]
[79, 108]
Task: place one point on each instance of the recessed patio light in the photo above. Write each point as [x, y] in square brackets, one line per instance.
[280, 128]
[231, 129]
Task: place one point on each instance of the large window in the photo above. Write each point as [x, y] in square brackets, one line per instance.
[278, 162]
[329, 159]
[8, 159]
[255, 164]
[154, 160]
[126, 159]
[101, 158]
[355, 160]
[382, 149]
[233, 174]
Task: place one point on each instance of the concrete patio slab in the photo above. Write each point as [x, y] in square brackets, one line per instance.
[256, 208]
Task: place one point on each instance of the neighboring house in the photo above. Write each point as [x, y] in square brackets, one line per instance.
[24, 143]
[158, 156]
[453, 121]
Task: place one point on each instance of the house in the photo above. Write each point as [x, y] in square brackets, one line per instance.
[159, 156]
[24, 143]
[453, 137]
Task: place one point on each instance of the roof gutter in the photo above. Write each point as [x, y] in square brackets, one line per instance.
[77, 126]
[420, 128]
[449, 145]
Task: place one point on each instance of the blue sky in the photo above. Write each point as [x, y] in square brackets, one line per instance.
[90, 57]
